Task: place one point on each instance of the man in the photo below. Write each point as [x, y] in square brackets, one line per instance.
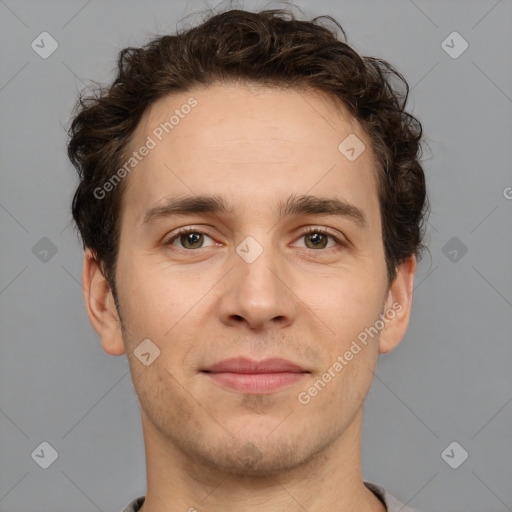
[251, 205]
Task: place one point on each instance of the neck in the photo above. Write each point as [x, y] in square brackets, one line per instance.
[330, 480]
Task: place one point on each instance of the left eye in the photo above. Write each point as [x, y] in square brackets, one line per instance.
[319, 239]
[191, 238]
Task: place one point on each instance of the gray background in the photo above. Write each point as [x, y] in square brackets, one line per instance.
[449, 380]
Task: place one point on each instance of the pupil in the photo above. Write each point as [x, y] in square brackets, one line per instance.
[316, 236]
[191, 236]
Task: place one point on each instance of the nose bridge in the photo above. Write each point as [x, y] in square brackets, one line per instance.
[257, 263]
[256, 292]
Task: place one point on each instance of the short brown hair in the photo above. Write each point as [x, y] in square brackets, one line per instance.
[272, 48]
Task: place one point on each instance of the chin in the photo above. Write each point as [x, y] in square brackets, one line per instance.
[260, 457]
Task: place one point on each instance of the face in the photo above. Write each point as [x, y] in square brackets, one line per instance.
[292, 267]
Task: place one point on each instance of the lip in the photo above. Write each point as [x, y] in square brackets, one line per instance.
[245, 365]
[249, 376]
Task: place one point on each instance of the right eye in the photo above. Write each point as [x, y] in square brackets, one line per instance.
[188, 236]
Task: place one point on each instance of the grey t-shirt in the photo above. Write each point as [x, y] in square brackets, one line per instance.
[392, 504]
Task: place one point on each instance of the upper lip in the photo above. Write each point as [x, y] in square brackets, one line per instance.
[245, 365]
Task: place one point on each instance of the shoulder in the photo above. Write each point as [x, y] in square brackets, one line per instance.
[135, 505]
[392, 504]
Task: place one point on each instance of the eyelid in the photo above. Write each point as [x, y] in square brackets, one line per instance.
[169, 240]
[340, 240]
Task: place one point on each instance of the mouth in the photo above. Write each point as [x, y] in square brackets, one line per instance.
[259, 377]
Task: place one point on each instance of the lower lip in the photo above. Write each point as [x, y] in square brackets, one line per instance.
[256, 382]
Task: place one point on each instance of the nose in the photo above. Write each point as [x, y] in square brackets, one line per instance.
[257, 295]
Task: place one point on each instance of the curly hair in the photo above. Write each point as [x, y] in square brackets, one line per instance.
[269, 47]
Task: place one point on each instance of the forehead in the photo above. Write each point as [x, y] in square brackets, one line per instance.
[247, 141]
[228, 113]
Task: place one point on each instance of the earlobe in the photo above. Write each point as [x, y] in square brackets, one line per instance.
[99, 303]
[398, 306]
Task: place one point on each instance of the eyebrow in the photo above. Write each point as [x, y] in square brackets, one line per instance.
[294, 205]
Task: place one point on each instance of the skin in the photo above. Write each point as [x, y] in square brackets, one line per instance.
[254, 146]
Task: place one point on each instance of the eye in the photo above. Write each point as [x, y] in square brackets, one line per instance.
[318, 238]
[190, 238]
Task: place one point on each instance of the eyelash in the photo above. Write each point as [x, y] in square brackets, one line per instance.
[310, 231]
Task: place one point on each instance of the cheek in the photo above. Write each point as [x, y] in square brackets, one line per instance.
[162, 397]
[153, 299]
[167, 309]
[349, 308]
[348, 302]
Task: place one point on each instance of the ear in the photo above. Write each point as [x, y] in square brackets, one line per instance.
[100, 306]
[397, 310]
